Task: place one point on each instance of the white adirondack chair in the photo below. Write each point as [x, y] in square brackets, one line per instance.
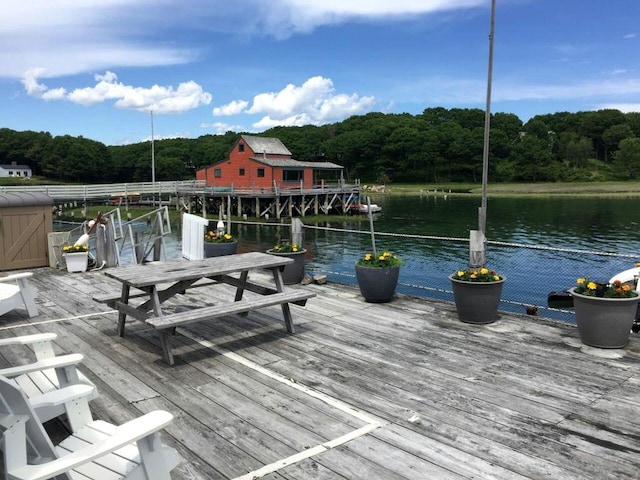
[15, 292]
[47, 374]
[98, 450]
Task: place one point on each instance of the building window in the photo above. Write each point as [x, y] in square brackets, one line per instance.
[217, 172]
[260, 172]
[241, 147]
[241, 172]
[292, 175]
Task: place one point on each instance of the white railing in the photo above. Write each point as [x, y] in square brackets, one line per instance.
[86, 192]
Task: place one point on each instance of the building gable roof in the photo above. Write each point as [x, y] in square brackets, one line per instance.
[15, 167]
[290, 163]
[265, 145]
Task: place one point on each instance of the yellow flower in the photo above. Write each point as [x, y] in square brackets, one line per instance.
[294, 248]
[496, 277]
[367, 257]
[591, 285]
[381, 257]
[626, 288]
[227, 236]
[580, 281]
[473, 275]
[484, 271]
[461, 273]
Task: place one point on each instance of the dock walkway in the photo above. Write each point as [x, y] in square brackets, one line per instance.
[360, 391]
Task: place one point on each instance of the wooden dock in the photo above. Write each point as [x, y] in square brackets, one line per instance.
[360, 391]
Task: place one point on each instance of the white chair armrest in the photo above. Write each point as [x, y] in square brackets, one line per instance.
[60, 396]
[16, 276]
[28, 339]
[127, 433]
[55, 362]
[10, 421]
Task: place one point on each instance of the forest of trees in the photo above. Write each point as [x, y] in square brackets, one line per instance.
[436, 146]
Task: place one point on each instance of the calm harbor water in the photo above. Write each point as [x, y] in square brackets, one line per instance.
[576, 226]
[430, 234]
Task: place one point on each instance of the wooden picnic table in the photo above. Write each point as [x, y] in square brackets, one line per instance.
[160, 281]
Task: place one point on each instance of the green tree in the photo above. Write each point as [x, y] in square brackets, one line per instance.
[627, 158]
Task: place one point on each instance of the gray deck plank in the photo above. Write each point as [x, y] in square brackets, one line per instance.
[516, 399]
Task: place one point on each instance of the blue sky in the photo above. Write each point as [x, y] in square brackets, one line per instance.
[97, 68]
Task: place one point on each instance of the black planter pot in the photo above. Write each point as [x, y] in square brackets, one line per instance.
[294, 272]
[377, 284]
[604, 322]
[477, 302]
[220, 249]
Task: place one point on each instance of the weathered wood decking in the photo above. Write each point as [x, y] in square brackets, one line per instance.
[361, 391]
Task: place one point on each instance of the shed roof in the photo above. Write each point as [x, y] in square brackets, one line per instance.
[267, 145]
[288, 162]
[24, 199]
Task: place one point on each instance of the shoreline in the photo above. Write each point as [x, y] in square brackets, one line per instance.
[582, 189]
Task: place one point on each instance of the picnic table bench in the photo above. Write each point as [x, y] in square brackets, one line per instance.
[150, 281]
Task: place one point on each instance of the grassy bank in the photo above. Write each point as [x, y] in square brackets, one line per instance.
[604, 189]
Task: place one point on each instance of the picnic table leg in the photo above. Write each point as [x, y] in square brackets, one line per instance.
[155, 301]
[240, 290]
[286, 311]
[288, 319]
[166, 348]
[124, 298]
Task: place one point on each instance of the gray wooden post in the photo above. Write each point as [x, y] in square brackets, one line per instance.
[477, 253]
[297, 231]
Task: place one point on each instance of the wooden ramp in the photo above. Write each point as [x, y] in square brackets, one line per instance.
[360, 391]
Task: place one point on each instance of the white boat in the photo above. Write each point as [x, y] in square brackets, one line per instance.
[363, 208]
[375, 208]
[629, 276]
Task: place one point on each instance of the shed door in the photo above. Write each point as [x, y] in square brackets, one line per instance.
[23, 233]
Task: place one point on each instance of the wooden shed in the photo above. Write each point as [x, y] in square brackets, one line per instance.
[25, 222]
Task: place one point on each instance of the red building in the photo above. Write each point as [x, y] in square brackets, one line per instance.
[264, 163]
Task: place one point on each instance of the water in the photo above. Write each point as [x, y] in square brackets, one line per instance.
[585, 224]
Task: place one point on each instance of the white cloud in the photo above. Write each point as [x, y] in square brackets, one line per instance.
[160, 99]
[31, 84]
[222, 128]
[233, 108]
[623, 107]
[314, 102]
[68, 37]
[281, 18]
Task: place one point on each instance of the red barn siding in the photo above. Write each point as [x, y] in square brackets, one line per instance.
[237, 160]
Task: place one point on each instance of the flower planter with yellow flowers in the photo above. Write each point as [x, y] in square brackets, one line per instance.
[477, 293]
[219, 244]
[605, 312]
[294, 272]
[76, 257]
[377, 276]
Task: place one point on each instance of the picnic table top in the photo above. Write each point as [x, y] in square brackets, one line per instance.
[176, 270]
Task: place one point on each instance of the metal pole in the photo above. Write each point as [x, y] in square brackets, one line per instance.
[373, 235]
[153, 164]
[482, 214]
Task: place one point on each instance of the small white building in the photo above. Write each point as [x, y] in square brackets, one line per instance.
[15, 170]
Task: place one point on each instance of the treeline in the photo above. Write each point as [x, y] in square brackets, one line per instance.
[436, 146]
